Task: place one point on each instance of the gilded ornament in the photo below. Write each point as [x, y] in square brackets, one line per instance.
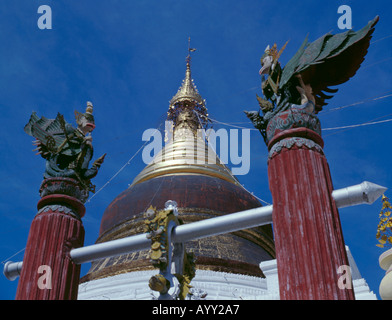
[155, 246]
[158, 225]
[159, 283]
[188, 97]
[156, 254]
[384, 227]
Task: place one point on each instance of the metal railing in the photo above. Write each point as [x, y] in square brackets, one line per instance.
[364, 193]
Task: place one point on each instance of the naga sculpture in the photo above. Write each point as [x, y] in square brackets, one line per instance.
[66, 149]
[316, 67]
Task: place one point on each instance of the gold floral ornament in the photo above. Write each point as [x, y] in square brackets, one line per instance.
[188, 273]
[157, 225]
[159, 283]
[384, 228]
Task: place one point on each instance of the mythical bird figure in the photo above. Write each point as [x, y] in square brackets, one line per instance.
[66, 149]
[316, 67]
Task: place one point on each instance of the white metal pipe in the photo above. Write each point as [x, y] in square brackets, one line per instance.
[223, 224]
[196, 230]
[365, 192]
[110, 248]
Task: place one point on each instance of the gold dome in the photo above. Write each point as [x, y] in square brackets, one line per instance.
[186, 153]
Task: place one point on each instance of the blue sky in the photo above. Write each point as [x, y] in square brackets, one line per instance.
[128, 58]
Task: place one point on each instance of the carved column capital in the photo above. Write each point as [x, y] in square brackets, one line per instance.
[294, 128]
[65, 191]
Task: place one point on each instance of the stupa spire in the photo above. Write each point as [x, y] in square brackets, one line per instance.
[187, 96]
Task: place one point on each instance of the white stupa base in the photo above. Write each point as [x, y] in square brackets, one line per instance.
[208, 285]
[216, 286]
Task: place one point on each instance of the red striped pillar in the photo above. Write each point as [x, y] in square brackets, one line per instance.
[308, 236]
[48, 273]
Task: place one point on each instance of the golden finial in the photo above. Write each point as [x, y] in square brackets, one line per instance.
[187, 91]
[187, 97]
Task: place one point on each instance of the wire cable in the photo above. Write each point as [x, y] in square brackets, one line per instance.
[122, 168]
[3, 262]
[357, 125]
[370, 122]
[381, 39]
[383, 96]
[227, 169]
[375, 98]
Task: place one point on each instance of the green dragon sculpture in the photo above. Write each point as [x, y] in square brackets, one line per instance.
[316, 67]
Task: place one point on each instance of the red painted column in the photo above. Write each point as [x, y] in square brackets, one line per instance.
[48, 273]
[308, 236]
